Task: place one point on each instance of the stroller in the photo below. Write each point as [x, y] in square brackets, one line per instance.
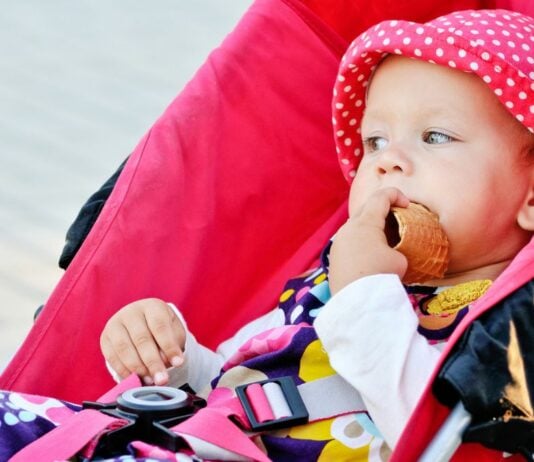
[205, 185]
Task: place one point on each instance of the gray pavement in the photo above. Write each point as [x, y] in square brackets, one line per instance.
[80, 83]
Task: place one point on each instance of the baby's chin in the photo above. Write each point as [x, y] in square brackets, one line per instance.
[483, 268]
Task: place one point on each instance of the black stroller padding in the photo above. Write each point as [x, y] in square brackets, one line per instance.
[492, 372]
[86, 218]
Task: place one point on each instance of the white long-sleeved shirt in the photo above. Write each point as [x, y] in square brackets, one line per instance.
[368, 329]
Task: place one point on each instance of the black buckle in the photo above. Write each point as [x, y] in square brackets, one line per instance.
[299, 413]
[150, 412]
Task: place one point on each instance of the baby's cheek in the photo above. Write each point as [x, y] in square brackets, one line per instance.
[359, 192]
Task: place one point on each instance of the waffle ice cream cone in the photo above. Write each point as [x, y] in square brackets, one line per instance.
[416, 233]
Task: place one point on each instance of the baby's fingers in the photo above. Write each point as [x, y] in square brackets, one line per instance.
[148, 351]
[168, 333]
[121, 354]
[377, 207]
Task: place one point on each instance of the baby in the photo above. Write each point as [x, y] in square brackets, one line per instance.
[436, 114]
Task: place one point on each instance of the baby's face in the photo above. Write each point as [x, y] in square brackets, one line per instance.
[442, 138]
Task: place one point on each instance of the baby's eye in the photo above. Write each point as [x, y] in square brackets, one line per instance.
[432, 137]
[374, 143]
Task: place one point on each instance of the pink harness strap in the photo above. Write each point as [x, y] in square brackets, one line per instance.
[67, 439]
[227, 436]
[260, 402]
[70, 437]
[131, 381]
[221, 413]
[210, 432]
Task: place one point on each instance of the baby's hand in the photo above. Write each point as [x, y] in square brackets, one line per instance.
[144, 337]
[360, 246]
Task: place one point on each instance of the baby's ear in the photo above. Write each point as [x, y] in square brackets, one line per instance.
[525, 217]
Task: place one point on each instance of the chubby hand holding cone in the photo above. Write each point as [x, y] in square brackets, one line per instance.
[416, 233]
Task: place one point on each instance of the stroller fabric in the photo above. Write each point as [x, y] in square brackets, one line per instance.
[218, 174]
[429, 413]
[496, 353]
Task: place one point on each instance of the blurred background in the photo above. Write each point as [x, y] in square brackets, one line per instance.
[80, 83]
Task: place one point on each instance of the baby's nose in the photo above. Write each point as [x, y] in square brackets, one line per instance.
[394, 160]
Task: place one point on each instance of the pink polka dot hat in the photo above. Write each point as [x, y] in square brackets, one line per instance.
[496, 45]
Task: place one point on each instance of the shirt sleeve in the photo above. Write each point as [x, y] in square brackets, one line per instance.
[369, 330]
[201, 365]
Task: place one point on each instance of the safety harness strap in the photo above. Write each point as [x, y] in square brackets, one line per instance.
[70, 437]
[223, 429]
[233, 440]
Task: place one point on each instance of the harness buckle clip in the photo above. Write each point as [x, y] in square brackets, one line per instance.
[272, 404]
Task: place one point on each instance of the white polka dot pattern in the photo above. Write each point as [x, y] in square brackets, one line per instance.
[497, 45]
